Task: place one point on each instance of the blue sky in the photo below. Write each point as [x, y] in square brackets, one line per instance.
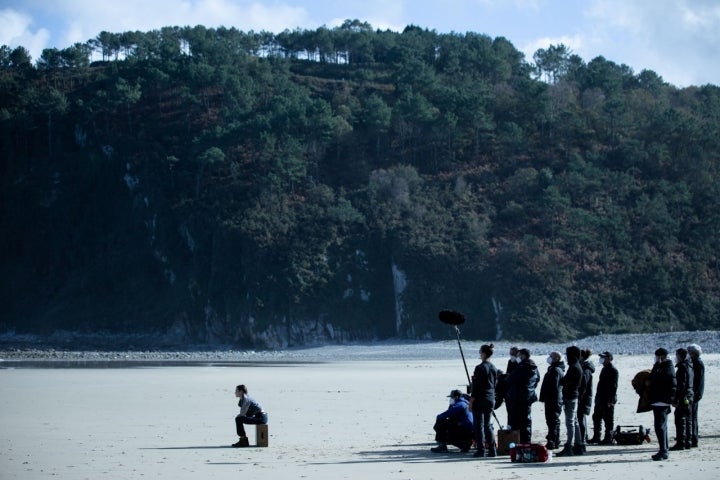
[678, 39]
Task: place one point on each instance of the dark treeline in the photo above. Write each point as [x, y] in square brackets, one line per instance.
[348, 183]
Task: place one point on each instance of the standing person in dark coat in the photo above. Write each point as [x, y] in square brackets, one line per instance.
[605, 400]
[683, 400]
[570, 395]
[504, 379]
[483, 394]
[586, 394]
[550, 396]
[662, 387]
[522, 383]
[695, 351]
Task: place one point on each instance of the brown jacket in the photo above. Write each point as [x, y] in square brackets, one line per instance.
[640, 384]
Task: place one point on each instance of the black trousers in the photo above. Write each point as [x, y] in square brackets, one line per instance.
[450, 433]
[603, 413]
[694, 420]
[683, 425]
[520, 418]
[552, 419]
[484, 432]
[660, 415]
[240, 421]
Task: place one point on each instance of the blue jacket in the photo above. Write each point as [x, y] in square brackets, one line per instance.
[459, 413]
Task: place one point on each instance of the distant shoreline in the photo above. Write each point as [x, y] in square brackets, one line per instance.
[13, 352]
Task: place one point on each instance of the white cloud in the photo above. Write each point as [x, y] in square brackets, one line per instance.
[679, 39]
[16, 29]
[574, 43]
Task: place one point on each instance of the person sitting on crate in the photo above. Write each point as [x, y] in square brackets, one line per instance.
[251, 413]
[454, 426]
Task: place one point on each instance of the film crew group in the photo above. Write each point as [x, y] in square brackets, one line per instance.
[251, 413]
[568, 387]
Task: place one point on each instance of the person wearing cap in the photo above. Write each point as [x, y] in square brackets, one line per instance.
[483, 395]
[454, 426]
[521, 394]
[683, 400]
[605, 400]
[570, 395]
[662, 387]
[695, 351]
[550, 396]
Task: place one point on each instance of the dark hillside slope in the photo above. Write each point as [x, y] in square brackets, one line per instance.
[216, 186]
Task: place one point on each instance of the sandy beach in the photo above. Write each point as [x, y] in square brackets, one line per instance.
[328, 420]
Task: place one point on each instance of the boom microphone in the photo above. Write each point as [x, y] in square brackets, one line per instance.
[451, 317]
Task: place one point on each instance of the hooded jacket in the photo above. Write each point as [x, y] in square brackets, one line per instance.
[684, 381]
[572, 380]
[522, 383]
[550, 389]
[662, 383]
[586, 387]
[698, 378]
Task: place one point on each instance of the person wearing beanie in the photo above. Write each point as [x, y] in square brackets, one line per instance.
[683, 400]
[570, 395]
[483, 394]
[551, 397]
[662, 387]
[695, 351]
[605, 400]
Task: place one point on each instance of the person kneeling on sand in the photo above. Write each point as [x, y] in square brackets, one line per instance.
[251, 413]
[454, 426]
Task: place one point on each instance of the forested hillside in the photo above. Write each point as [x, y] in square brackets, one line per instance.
[342, 184]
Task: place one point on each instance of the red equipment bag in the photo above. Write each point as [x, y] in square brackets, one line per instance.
[529, 453]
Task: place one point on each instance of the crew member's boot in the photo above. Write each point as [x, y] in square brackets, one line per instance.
[492, 451]
[567, 451]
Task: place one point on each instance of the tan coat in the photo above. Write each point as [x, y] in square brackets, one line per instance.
[640, 383]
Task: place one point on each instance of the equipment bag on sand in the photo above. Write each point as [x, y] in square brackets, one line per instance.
[627, 435]
[529, 453]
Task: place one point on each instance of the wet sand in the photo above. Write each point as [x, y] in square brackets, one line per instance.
[330, 420]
